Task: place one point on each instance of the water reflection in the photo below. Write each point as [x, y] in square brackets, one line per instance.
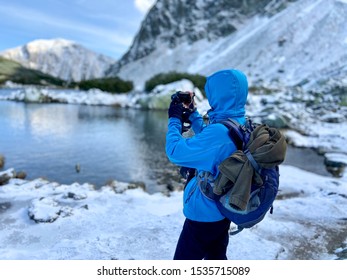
[50, 121]
[108, 143]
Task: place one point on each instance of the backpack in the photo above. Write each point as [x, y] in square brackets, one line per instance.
[261, 197]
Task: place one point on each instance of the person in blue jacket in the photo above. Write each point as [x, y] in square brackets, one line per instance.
[205, 230]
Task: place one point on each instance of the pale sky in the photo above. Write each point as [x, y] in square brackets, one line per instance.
[104, 26]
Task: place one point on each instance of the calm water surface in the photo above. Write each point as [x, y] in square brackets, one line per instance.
[48, 140]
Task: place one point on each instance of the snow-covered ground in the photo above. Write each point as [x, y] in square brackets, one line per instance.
[77, 222]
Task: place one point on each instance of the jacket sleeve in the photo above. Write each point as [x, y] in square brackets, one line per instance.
[197, 122]
[197, 151]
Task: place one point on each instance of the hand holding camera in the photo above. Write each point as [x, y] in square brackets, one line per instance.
[181, 107]
[182, 103]
[184, 97]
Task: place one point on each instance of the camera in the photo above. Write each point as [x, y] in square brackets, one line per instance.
[184, 97]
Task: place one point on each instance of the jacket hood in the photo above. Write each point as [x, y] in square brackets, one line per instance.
[227, 91]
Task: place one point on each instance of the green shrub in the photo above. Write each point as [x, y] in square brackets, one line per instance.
[169, 77]
[113, 85]
[343, 101]
[34, 77]
[261, 90]
[13, 71]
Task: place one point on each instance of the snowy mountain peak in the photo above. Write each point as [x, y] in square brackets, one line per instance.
[172, 23]
[46, 44]
[60, 58]
[284, 41]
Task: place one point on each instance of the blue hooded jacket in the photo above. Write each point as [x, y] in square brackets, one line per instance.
[226, 92]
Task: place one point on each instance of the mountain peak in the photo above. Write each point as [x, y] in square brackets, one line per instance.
[60, 58]
[288, 41]
[45, 44]
[173, 22]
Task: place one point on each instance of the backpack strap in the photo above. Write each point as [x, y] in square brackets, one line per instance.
[253, 162]
[238, 230]
[237, 133]
[234, 132]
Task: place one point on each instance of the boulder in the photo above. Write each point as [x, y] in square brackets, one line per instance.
[9, 172]
[333, 118]
[44, 210]
[75, 196]
[21, 175]
[121, 187]
[275, 120]
[335, 163]
[4, 178]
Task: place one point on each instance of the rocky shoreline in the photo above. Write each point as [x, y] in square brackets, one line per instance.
[11, 177]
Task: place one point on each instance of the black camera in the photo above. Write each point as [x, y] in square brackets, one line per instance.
[184, 97]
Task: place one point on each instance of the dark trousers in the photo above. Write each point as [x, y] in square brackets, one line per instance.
[203, 240]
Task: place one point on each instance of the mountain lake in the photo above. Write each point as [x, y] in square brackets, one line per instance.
[70, 143]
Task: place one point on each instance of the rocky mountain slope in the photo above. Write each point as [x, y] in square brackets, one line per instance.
[172, 23]
[288, 42]
[60, 58]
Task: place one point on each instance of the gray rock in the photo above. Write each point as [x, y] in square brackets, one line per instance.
[21, 175]
[275, 120]
[335, 163]
[4, 178]
[44, 210]
[121, 187]
[333, 118]
[75, 196]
